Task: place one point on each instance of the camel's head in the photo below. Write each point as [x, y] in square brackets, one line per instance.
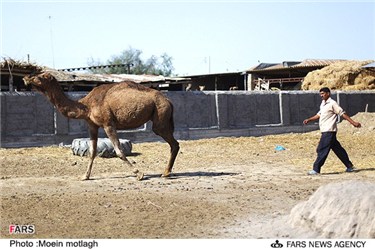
[40, 82]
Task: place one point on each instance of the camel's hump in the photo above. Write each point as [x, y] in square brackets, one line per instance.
[99, 93]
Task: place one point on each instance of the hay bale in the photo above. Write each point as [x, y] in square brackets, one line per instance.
[81, 147]
[338, 210]
[343, 75]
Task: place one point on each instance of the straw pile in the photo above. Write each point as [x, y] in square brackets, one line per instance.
[10, 64]
[343, 75]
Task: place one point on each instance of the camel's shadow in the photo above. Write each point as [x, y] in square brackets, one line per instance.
[133, 154]
[190, 175]
[173, 175]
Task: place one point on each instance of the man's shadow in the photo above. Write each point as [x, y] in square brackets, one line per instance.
[355, 171]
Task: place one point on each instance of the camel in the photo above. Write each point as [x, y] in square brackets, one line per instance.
[124, 105]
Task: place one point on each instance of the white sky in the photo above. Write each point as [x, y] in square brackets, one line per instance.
[201, 36]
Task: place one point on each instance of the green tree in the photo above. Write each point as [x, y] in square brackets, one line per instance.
[134, 64]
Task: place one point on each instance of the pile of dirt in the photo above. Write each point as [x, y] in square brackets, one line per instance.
[344, 210]
[343, 75]
[367, 121]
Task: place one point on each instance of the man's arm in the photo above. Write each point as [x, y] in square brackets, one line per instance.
[312, 118]
[354, 123]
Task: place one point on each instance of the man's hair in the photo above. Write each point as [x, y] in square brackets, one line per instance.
[325, 89]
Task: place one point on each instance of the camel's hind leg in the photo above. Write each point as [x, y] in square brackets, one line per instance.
[175, 147]
[93, 150]
[112, 135]
[167, 135]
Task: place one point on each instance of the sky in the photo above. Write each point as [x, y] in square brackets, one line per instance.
[202, 37]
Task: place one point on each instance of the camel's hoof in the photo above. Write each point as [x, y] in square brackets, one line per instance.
[85, 178]
[166, 175]
[135, 171]
[140, 176]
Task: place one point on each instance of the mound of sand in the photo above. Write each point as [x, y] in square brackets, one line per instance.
[343, 75]
[338, 210]
[367, 121]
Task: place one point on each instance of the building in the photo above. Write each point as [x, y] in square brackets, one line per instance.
[12, 73]
[287, 75]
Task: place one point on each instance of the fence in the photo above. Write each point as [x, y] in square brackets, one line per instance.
[28, 119]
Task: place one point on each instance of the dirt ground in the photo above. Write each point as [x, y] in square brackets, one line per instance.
[221, 188]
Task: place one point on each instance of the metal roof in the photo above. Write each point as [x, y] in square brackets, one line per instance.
[10, 66]
[108, 78]
[212, 75]
[316, 63]
[292, 65]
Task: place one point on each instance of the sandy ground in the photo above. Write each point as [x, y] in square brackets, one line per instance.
[221, 187]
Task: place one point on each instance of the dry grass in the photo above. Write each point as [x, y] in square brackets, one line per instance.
[346, 75]
[221, 188]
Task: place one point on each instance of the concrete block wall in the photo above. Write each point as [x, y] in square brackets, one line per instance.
[28, 119]
[25, 114]
[193, 109]
[354, 103]
[298, 106]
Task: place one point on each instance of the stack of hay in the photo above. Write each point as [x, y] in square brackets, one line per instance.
[344, 75]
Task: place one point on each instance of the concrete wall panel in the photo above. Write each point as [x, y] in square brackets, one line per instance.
[354, 103]
[194, 109]
[30, 119]
[45, 122]
[298, 106]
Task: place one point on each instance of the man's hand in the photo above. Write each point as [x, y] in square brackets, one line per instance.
[356, 124]
[312, 118]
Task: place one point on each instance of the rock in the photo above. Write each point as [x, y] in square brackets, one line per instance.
[338, 210]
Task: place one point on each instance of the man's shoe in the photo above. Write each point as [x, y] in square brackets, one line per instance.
[312, 172]
[350, 170]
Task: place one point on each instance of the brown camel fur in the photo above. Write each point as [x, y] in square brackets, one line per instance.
[115, 106]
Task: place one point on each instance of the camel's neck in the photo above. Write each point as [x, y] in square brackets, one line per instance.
[66, 106]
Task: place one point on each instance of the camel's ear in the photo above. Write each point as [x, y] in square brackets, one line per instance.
[26, 79]
[48, 76]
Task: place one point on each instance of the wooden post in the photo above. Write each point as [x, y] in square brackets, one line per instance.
[11, 89]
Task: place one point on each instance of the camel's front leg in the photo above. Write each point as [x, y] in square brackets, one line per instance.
[112, 135]
[92, 150]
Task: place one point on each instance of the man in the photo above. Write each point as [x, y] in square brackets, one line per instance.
[329, 110]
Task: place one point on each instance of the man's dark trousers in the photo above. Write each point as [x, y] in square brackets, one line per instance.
[327, 142]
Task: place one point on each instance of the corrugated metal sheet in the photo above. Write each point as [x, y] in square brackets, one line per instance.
[263, 66]
[316, 63]
[81, 77]
[293, 64]
[13, 67]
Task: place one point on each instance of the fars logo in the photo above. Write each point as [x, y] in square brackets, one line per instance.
[21, 229]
